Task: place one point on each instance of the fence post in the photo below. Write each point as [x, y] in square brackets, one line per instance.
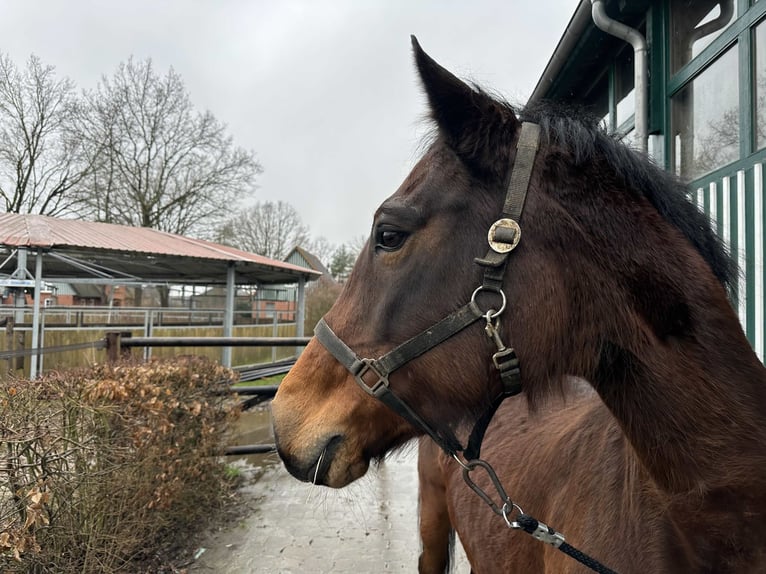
[8, 322]
[114, 349]
[19, 337]
[274, 333]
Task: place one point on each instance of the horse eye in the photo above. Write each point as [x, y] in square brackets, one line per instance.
[389, 239]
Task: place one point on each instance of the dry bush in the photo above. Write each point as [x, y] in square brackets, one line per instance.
[100, 469]
[319, 298]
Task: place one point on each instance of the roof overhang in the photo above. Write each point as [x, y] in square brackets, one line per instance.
[87, 252]
[578, 58]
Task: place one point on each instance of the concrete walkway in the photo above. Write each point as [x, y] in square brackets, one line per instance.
[370, 526]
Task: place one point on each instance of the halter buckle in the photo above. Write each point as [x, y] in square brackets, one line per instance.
[379, 386]
[504, 235]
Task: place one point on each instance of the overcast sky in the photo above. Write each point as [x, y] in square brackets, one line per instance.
[324, 92]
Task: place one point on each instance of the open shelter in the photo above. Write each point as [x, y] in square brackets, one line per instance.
[37, 248]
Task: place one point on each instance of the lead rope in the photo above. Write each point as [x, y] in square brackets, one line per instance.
[524, 522]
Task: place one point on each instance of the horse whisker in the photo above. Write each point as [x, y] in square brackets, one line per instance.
[316, 474]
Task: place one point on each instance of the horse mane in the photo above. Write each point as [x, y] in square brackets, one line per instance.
[581, 134]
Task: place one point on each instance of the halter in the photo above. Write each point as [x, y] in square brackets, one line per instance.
[372, 374]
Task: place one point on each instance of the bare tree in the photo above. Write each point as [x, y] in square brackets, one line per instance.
[322, 248]
[267, 228]
[156, 161]
[356, 244]
[40, 159]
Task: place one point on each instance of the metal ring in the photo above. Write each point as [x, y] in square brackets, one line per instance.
[461, 463]
[506, 510]
[480, 288]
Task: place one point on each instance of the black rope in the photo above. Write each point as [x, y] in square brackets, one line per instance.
[546, 534]
[584, 559]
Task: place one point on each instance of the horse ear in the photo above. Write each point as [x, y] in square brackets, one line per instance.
[473, 124]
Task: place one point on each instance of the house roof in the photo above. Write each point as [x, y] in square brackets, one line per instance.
[84, 251]
[311, 260]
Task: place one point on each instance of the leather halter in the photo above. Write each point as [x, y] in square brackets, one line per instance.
[372, 374]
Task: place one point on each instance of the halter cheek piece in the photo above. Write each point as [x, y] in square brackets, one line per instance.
[504, 235]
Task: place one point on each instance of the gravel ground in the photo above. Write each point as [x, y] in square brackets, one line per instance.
[291, 527]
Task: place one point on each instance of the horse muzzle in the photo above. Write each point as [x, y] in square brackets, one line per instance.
[314, 449]
[312, 467]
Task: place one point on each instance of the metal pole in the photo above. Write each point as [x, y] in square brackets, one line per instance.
[300, 317]
[274, 333]
[41, 356]
[19, 300]
[228, 315]
[148, 323]
[36, 315]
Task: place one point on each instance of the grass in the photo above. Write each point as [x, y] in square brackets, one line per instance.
[273, 380]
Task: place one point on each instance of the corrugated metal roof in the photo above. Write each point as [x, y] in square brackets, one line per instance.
[139, 251]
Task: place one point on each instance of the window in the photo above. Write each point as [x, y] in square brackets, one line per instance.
[597, 99]
[705, 119]
[760, 85]
[616, 112]
[694, 25]
[624, 82]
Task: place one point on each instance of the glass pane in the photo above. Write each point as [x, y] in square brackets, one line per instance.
[705, 119]
[625, 79]
[629, 139]
[596, 101]
[694, 24]
[760, 85]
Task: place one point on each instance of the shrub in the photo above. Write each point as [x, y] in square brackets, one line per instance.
[100, 469]
[319, 298]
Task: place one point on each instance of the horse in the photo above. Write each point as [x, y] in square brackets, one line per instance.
[599, 267]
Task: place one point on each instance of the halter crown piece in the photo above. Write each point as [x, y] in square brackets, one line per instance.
[503, 236]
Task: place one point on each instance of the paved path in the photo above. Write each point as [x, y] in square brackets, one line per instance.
[370, 526]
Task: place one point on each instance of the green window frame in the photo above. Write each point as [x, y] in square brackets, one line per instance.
[739, 33]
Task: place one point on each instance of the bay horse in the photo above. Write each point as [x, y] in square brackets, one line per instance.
[612, 276]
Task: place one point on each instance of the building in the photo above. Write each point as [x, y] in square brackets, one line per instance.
[686, 81]
[37, 250]
[302, 258]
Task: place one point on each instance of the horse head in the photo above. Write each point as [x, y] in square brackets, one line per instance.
[583, 252]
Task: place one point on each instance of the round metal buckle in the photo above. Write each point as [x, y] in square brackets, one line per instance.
[504, 235]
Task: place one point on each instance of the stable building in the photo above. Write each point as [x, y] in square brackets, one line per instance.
[685, 82]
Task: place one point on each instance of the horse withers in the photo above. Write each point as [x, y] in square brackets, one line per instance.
[608, 273]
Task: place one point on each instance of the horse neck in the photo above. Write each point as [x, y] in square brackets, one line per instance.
[691, 403]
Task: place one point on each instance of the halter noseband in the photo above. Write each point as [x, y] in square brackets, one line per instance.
[372, 374]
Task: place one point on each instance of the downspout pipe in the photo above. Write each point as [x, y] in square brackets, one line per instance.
[640, 65]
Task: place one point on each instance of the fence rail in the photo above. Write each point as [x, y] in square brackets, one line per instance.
[214, 341]
[99, 344]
